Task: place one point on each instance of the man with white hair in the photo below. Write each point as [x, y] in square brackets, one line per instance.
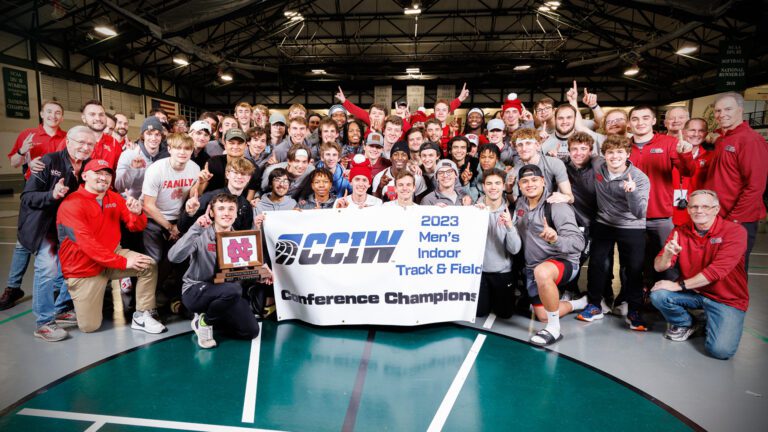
[40, 201]
[709, 251]
[739, 167]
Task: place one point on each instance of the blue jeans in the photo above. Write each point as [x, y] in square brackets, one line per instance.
[724, 323]
[19, 264]
[46, 304]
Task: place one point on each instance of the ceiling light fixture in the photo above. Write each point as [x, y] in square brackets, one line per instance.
[318, 71]
[687, 49]
[522, 67]
[412, 71]
[180, 60]
[544, 9]
[289, 14]
[412, 11]
[105, 30]
[632, 71]
[553, 4]
[226, 76]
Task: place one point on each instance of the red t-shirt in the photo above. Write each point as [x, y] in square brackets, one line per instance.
[43, 143]
[685, 185]
[108, 149]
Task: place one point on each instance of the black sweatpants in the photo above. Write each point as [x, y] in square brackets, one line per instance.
[631, 256]
[497, 293]
[223, 304]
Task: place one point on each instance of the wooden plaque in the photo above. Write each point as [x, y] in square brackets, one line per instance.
[239, 254]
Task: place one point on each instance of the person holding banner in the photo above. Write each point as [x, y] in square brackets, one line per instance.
[212, 303]
[360, 178]
[447, 193]
[321, 197]
[552, 243]
[497, 283]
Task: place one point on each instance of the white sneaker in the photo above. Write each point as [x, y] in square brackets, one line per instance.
[143, 320]
[204, 333]
[604, 306]
[622, 309]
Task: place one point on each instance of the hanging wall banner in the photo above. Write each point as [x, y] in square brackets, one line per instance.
[383, 95]
[16, 89]
[733, 66]
[415, 96]
[382, 265]
[447, 92]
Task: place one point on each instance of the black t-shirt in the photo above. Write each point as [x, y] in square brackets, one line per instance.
[217, 165]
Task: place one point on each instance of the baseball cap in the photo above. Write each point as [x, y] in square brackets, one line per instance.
[402, 103]
[235, 133]
[200, 125]
[530, 170]
[447, 163]
[152, 123]
[98, 165]
[496, 124]
[474, 139]
[276, 118]
[375, 138]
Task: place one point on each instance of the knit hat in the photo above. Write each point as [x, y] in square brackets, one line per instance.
[419, 116]
[513, 102]
[400, 146]
[337, 108]
[361, 166]
[151, 123]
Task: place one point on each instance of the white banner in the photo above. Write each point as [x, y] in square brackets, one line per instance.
[382, 265]
[447, 92]
[382, 95]
[415, 96]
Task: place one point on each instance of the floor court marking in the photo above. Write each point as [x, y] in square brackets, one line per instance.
[135, 421]
[251, 383]
[354, 401]
[15, 316]
[94, 427]
[438, 421]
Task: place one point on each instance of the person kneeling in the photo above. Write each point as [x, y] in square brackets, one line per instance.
[552, 243]
[89, 231]
[709, 251]
[212, 303]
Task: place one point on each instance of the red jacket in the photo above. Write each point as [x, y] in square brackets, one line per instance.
[108, 149]
[719, 257]
[44, 143]
[89, 233]
[738, 172]
[656, 159]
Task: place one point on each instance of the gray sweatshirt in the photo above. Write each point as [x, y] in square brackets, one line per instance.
[530, 222]
[265, 204]
[199, 245]
[615, 207]
[502, 243]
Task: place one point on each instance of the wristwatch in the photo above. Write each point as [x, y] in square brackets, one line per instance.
[682, 286]
[18, 152]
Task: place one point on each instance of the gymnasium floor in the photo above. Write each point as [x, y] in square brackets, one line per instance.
[454, 376]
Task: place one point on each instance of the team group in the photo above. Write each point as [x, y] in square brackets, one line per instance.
[682, 206]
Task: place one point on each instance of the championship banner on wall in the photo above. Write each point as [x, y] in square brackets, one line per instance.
[382, 265]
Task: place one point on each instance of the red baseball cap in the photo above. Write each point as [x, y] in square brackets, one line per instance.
[98, 165]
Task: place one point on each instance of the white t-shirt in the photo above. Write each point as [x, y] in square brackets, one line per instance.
[370, 201]
[389, 189]
[170, 187]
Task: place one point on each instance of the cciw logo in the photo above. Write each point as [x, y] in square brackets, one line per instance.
[359, 247]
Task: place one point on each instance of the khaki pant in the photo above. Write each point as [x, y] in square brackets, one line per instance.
[88, 293]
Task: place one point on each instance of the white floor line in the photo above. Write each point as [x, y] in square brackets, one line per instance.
[758, 274]
[251, 383]
[458, 381]
[94, 427]
[758, 253]
[135, 421]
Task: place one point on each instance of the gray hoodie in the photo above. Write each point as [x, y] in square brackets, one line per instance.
[266, 204]
[530, 222]
[502, 243]
[615, 207]
[199, 245]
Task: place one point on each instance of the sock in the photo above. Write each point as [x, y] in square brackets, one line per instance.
[578, 304]
[553, 323]
[202, 321]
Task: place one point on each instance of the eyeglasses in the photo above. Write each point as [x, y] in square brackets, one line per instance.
[85, 143]
[543, 109]
[613, 122]
[281, 181]
[705, 208]
[444, 173]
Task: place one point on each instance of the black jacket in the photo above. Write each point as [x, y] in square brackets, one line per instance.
[37, 214]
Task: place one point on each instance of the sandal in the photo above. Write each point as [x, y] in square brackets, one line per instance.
[546, 336]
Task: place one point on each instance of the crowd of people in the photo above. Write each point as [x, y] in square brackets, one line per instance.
[561, 188]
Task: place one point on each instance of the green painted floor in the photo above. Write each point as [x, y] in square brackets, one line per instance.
[307, 376]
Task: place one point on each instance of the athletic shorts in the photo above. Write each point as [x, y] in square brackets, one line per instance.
[567, 271]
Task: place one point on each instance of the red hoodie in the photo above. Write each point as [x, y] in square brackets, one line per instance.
[656, 160]
[719, 257]
[108, 149]
[737, 173]
[89, 233]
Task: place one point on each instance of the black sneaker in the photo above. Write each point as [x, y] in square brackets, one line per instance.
[10, 297]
